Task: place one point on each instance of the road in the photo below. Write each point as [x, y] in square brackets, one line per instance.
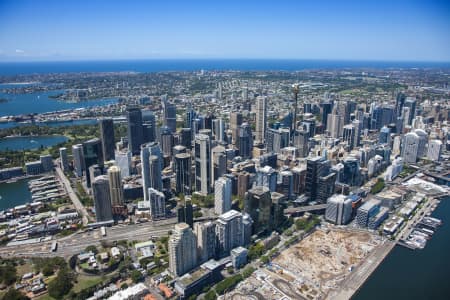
[75, 243]
[73, 196]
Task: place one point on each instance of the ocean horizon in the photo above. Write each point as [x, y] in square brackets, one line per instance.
[166, 65]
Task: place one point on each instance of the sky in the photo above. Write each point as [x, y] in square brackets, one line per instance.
[385, 30]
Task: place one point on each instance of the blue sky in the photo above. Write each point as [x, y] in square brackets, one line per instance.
[349, 30]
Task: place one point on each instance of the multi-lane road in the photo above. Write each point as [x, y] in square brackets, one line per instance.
[75, 243]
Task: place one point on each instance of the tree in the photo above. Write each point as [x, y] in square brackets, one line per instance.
[136, 276]
[92, 249]
[8, 274]
[61, 285]
[211, 295]
[13, 294]
[47, 270]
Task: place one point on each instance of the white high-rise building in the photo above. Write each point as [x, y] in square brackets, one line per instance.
[410, 147]
[77, 153]
[102, 198]
[434, 150]
[261, 119]
[123, 161]
[229, 231]
[157, 203]
[394, 169]
[222, 195]
[115, 186]
[206, 240]
[63, 158]
[335, 125]
[182, 250]
[423, 141]
[339, 209]
[202, 164]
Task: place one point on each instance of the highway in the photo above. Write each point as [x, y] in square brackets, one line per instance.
[75, 243]
[73, 196]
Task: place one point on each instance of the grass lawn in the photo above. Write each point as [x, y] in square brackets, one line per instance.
[86, 282]
[23, 269]
[45, 297]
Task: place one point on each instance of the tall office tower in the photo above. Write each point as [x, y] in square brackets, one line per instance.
[123, 161]
[261, 119]
[78, 160]
[423, 141]
[339, 209]
[352, 173]
[63, 158]
[183, 181]
[185, 213]
[222, 195]
[301, 138]
[196, 125]
[245, 141]
[335, 125]
[342, 109]
[243, 184]
[190, 116]
[309, 125]
[299, 177]
[151, 160]
[186, 137]
[410, 103]
[325, 187]
[115, 186]
[316, 167]
[135, 132]
[258, 204]
[367, 211]
[229, 232]
[157, 203]
[218, 162]
[410, 147]
[358, 127]
[235, 123]
[385, 135]
[218, 127]
[102, 198]
[93, 155]
[206, 240]
[202, 164]
[107, 137]
[219, 91]
[182, 250]
[399, 125]
[348, 135]
[46, 162]
[267, 176]
[148, 126]
[399, 103]
[434, 150]
[277, 139]
[327, 107]
[306, 108]
[170, 115]
[286, 184]
[166, 141]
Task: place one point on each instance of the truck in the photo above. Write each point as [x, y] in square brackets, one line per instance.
[103, 230]
[54, 246]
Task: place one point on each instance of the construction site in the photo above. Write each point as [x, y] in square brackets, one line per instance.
[311, 268]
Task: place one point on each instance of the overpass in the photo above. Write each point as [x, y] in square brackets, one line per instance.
[297, 211]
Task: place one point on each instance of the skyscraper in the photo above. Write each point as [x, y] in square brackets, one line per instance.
[267, 176]
[148, 126]
[434, 150]
[92, 155]
[335, 125]
[257, 204]
[245, 141]
[186, 137]
[339, 209]
[151, 160]
[301, 142]
[277, 139]
[115, 186]
[316, 167]
[229, 232]
[410, 103]
[218, 162]
[135, 131]
[183, 177]
[182, 250]
[222, 195]
[78, 160]
[261, 119]
[102, 198]
[170, 115]
[123, 161]
[107, 137]
[206, 240]
[235, 123]
[157, 203]
[202, 164]
[166, 141]
[63, 158]
[410, 148]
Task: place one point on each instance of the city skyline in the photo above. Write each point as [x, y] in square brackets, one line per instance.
[350, 30]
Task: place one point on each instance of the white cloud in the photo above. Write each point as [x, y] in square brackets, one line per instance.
[20, 51]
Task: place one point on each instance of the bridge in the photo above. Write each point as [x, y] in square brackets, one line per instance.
[296, 211]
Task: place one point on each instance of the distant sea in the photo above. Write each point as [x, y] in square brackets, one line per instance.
[160, 65]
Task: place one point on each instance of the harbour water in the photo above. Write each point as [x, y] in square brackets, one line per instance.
[40, 102]
[6, 125]
[14, 193]
[30, 142]
[414, 274]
